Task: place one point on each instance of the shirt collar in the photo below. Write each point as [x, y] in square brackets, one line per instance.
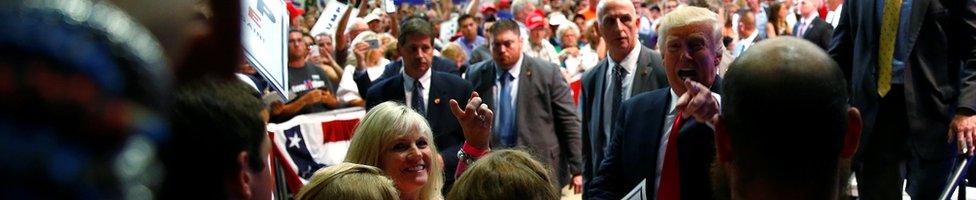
[514, 70]
[630, 61]
[808, 19]
[424, 80]
[673, 103]
[751, 37]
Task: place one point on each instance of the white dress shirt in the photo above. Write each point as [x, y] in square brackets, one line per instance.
[668, 123]
[833, 16]
[629, 63]
[515, 71]
[408, 88]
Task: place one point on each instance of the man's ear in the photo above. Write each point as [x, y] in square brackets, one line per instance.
[723, 147]
[243, 180]
[718, 55]
[853, 135]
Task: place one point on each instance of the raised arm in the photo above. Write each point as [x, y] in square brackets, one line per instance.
[340, 34]
[473, 7]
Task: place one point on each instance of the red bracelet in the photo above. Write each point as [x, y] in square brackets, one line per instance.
[473, 151]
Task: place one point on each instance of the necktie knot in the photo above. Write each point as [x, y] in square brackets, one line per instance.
[505, 78]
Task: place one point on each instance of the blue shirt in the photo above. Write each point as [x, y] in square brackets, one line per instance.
[469, 46]
[900, 55]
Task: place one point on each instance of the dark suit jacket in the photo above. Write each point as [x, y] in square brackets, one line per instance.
[819, 32]
[393, 69]
[448, 135]
[633, 152]
[940, 74]
[649, 75]
[546, 118]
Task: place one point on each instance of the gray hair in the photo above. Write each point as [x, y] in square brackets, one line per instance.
[567, 27]
[603, 4]
[519, 5]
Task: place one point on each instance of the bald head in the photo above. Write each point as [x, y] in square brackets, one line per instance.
[780, 92]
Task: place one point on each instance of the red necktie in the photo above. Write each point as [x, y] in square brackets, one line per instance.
[670, 186]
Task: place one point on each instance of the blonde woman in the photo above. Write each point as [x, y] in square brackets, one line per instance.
[348, 181]
[399, 141]
[368, 58]
[455, 52]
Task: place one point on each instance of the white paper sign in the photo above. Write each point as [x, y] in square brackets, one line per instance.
[264, 32]
[329, 19]
[389, 6]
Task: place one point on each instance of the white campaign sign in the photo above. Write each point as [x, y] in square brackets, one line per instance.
[329, 19]
[264, 32]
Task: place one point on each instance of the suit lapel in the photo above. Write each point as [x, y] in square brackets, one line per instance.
[919, 8]
[659, 111]
[601, 76]
[396, 89]
[487, 84]
[434, 95]
[525, 91]
[641, 71]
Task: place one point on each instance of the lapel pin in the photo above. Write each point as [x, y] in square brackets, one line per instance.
[644, 73]
[437, 101]
[528, 73]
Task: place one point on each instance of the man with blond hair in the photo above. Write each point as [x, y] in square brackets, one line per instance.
[665, 137]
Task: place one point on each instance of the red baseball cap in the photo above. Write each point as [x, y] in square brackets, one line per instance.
[535, 20]
[503, 4]
[488, 6]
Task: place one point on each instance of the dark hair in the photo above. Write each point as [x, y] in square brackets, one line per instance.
[464, 17]
[785, 77]
[297, 31]
[213, 120]
[773, 15]
[415, 26]
[656, 8]
[504, 25]
[491, 18]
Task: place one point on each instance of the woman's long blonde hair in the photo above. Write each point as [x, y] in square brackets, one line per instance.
[377, 132]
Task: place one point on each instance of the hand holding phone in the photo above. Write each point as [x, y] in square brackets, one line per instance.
[373, 44]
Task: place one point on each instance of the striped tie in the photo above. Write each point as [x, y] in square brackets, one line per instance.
[889, 30]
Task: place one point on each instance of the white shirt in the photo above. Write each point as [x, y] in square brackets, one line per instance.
[348, 90]
[408, 88]
[515, 70]
[805, 25]
[545, 51]
[668, 123]
[629, 63]
[833, 16]
[745, 43]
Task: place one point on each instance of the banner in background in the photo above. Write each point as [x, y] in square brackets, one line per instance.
[264, 33]
[309, 142]
[329, 19]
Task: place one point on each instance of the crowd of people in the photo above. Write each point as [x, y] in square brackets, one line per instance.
[691, 99]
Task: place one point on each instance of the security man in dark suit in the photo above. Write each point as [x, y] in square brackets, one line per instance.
[532, 105]
[912, 69]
